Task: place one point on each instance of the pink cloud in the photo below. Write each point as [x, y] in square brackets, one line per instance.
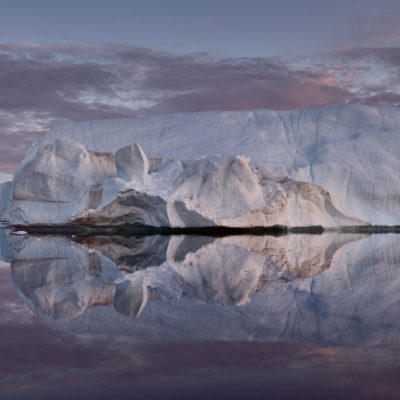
[40, 85]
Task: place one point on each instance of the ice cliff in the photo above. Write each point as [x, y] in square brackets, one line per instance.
[296, 167]
[64, 182]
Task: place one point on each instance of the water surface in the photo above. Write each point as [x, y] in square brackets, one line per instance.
[295, 316]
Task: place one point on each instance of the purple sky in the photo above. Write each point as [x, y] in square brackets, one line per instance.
[75, 60]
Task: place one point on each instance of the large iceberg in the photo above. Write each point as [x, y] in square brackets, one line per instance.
[242, 168]
[5, 196]
[66, 183]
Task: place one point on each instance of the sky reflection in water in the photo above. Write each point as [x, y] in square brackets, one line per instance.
[293, 316]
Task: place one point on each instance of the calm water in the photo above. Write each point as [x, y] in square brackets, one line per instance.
[290, 317]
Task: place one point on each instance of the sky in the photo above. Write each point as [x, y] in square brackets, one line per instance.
[80, 60]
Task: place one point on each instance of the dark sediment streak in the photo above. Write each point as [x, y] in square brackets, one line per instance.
[214, 231]
[135, 230]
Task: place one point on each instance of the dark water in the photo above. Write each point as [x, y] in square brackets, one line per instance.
[290, 317]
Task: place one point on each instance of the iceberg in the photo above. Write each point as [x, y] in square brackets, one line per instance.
[5, 196]
[332, 166]
[4, 177]
[66, 183]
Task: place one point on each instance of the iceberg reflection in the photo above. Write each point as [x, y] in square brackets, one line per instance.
[331, 289]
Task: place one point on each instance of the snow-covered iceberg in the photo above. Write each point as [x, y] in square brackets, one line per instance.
[5, 196]
[5, 201]
[4, 177]
[66, 183]
[315, 166]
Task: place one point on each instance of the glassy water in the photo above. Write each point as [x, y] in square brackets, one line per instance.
[295, 316]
